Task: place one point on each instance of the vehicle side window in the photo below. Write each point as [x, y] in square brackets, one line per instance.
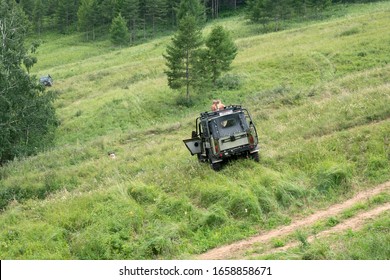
[204, 130]
[213, 128]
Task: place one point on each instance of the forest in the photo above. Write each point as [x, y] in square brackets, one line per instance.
[145, 17]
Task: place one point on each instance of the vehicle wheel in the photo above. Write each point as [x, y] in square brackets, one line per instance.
[217, 166]
[201, 158]
[254, 156]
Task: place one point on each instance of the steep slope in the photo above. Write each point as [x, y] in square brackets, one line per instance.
[319, 94]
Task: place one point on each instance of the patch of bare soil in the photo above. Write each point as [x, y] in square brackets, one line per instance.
[235, 249]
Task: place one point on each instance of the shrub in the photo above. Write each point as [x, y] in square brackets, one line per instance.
[229, 82]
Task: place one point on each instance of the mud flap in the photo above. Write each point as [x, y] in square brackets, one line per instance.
[193, 145]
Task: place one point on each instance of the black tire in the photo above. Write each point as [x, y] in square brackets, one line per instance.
[201, 158]
[254, 156]
[216, 166]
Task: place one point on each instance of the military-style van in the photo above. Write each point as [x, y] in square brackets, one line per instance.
[224, 134]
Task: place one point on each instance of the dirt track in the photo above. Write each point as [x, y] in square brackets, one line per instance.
[236, 249]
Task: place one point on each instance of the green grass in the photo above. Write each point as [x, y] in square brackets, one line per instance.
[319, 95]
[303, 248]
[369, 243]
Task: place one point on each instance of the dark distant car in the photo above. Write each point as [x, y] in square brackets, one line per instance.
[46, 81]
[224, 134]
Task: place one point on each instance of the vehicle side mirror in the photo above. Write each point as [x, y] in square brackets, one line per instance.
[193, 134]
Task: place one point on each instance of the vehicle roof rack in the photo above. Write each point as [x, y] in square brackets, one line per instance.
[216, 113]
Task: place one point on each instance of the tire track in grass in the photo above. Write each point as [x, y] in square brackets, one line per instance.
[235, 249]
[354, 223]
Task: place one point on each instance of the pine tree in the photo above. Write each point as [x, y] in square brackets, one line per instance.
[215, 7]
[88, 18]
[66, 14]
[173, 7]
[27, 116]
[108, 10]
[37, 15]
[118, 31]
[221, 51]
[182, 55]
[28, 7]
[155, 11]
[320, 5]
[257, 11]
[192, 8]
[130, 10]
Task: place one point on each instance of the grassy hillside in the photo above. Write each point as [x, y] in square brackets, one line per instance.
[319, 94]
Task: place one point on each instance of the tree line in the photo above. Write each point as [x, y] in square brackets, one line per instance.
[66, 16]
[144, 17]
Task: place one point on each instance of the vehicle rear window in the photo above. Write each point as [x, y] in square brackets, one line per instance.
[228, 123]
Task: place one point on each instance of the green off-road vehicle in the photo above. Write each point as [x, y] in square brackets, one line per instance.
[224, 134]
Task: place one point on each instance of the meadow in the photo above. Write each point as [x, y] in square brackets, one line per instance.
[319, 93]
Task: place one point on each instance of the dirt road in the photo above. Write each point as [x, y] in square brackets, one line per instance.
[236, 249]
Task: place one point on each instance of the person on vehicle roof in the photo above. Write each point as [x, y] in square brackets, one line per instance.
[217, 105]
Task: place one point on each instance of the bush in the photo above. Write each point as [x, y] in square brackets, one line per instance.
[229, 82]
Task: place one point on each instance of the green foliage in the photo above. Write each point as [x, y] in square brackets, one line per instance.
[191, 66]
[221, 51]
[287, 194]
[302, 238]
[271, 11]
[182, 54]
[87, 17]
[192, 8]
[118, 32]
[229, 82]
[369, 243]
[130, 11]
[332, 177]
[27, 119]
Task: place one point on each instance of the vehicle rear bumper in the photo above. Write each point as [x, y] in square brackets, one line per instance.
[235, 152]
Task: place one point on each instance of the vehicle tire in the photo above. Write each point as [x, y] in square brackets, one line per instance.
[201, 158]
[254, 156]
[216, 166]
